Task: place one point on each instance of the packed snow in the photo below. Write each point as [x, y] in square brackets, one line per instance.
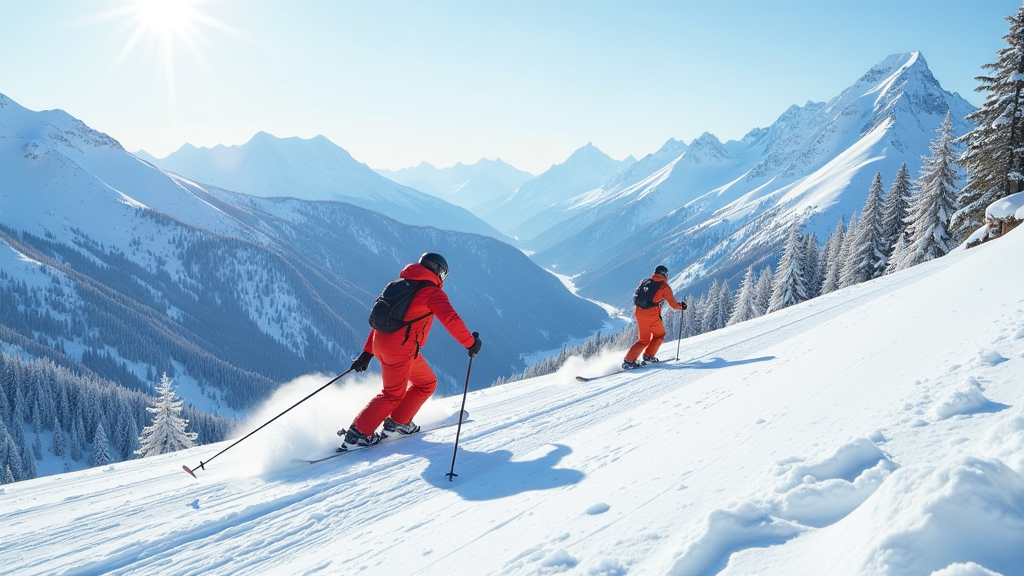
[876, 430]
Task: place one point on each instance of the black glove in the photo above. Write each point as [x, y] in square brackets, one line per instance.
[475, 347]
[362, 363]
[683, 304]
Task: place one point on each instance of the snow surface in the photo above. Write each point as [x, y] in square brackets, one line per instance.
[876, 430]
[1012, 205]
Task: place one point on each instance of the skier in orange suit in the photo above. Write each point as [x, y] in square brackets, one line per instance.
[648, 298]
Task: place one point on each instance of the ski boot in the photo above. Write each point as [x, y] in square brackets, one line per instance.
[627, 365]
[354, 438]
[651, 359]
[403, 429]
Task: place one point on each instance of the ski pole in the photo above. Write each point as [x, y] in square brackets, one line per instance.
[680, 338]
[203, 464]
[451, 475]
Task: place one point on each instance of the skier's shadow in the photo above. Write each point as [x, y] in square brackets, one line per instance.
[716, 363]
[494, 475]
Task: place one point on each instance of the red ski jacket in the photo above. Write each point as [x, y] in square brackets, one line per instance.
[428, 300]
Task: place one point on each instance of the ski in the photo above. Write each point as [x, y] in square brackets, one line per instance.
[448, 422]
[592, 378]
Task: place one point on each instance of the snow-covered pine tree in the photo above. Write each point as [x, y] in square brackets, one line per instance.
[8, 475]
[10, 456]
[866, 259]
[933, 205]
[764, 288]
[725, 305]
[846, 275]
[746, 306]
[691, 325]
[167, 433]
[37, 448]
[59, 444]
[895, 209]
[75, 447]
[132, 440]
[710, 307]
[28, 464]
[100, 452]
[789, 286]
[812, 265]
[830, 263]
[994, 158]
[37, 421]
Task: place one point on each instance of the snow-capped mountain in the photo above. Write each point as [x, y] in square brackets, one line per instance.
[871, 431]
[315, 169]
[584, 170]
[718, 207]
[463, 185]
[110, 262]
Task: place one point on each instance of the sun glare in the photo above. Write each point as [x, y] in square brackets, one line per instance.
[166, 29]
[167, 17]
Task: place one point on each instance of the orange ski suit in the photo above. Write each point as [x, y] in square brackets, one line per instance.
[408, 380]
[648, 321]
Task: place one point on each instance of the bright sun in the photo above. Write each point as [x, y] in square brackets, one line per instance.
[164, 28]
[167, 17]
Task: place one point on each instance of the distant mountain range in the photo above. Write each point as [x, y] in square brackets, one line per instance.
[314, 169]
[463, 185]
[110, 263]
[710, 209]
[585, 169]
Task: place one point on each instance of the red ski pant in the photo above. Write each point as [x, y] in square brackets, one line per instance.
[408, 382]
[652, 334]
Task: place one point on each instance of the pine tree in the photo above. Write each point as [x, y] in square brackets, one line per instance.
[37, 448]
[764, 288]
[994, 158]
[37, 421]
[28, 464]
[8, 476]
[896, 209]
[59, 445]
[132, 440]
[866, 259]
[789, 286]
[831, 267]
[812, 265]
[75, 444]
[933, 204]
[709, 309]
[167, 433]
[848, 274]
[746, 306]
[723, 309]
[100, 452]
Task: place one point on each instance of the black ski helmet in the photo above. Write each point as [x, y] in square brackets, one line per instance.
[436, 264]
[661, 270]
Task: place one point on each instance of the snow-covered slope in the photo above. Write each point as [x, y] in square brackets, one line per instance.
[875, 430]
[716, 208]
[315, 169]
[586, 169]
[463, 185]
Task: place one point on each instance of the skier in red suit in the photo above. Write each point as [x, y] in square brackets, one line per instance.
[408, 380]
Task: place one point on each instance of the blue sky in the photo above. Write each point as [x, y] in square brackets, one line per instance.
[396, 83]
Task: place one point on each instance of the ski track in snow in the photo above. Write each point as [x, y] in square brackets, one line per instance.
[769, 448]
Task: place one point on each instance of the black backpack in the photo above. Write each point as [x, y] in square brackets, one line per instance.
[644, 295]
[388, 312]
